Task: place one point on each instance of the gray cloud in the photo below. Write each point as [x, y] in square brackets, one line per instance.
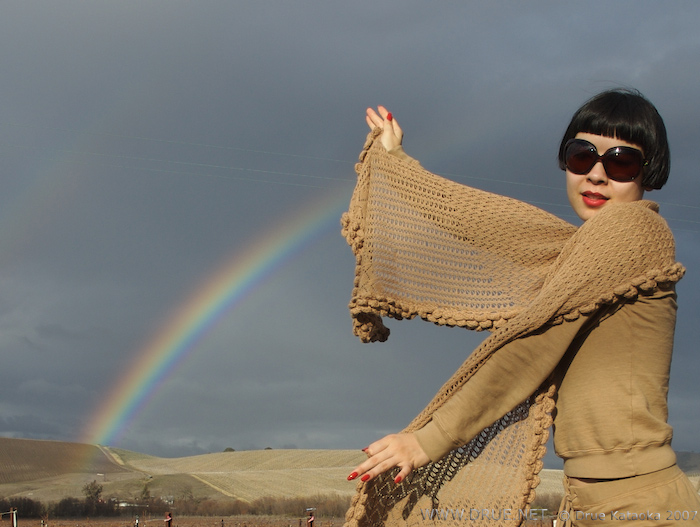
[143, 144]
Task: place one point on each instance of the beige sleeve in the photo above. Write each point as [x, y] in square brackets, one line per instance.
[399, 152]
[510, 376]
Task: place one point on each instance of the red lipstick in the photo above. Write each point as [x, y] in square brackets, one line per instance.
[593, 199]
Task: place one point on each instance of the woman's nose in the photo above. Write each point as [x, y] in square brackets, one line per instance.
[597, 174]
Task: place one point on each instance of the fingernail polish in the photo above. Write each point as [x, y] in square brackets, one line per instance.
[364, 478]
[352, 476]
[398, 479]
[389, 117]
[365, 449]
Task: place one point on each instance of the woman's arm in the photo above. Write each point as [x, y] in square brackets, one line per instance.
[511, 375]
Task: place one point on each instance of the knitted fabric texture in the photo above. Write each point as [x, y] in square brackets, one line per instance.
[453, 255]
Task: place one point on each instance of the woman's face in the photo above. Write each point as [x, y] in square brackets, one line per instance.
[589, 193]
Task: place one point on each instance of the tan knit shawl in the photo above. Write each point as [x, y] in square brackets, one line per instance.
[453, 255]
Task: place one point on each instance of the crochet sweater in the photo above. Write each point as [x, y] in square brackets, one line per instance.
[454, 255]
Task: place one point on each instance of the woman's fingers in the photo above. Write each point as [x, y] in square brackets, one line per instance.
[392, 135]
[380, 119]
[374, 119]
[403, 474]
[396, 450]
[375, 455]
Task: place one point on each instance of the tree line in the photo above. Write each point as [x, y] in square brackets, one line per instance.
[93, 505]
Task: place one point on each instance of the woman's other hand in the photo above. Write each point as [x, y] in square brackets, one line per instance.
[396, 450]
[392, 135]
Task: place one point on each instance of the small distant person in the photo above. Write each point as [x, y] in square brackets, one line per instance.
[310, 521]
[169, 520]
[136, 522]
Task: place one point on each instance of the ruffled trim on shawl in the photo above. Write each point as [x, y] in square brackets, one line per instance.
[367, 312]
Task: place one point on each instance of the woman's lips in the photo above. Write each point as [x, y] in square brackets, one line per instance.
[593, 199]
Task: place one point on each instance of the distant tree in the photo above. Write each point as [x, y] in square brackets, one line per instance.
[26, 507]
[67, 508]
[93, 496]
[186, 493]
[268, 448]
[229, 449]
[186, 502]
[92, 491]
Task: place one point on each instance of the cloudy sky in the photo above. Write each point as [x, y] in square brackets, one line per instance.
[144, 146]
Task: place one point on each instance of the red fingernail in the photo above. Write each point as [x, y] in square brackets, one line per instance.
[364, 478]
[389, 117]
[365, 449]
[398, 479]
[352, 476]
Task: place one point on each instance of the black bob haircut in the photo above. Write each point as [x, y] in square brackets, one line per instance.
[629, 116]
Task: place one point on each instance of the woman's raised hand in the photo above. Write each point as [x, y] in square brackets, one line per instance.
[396, 450]
[392, 135]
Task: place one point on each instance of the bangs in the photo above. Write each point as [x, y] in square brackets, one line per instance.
[628, 116]
[619, 119]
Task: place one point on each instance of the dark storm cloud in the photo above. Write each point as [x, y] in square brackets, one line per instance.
[145, 143]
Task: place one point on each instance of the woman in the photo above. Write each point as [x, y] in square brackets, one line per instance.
[596, 322]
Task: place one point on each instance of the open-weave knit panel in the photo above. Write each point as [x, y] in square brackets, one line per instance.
[505, 456]
[428, 247]
[435, 248]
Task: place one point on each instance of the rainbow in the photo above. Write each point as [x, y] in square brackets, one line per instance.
[226, 288]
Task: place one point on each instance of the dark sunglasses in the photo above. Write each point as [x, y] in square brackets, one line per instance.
[621, 163]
